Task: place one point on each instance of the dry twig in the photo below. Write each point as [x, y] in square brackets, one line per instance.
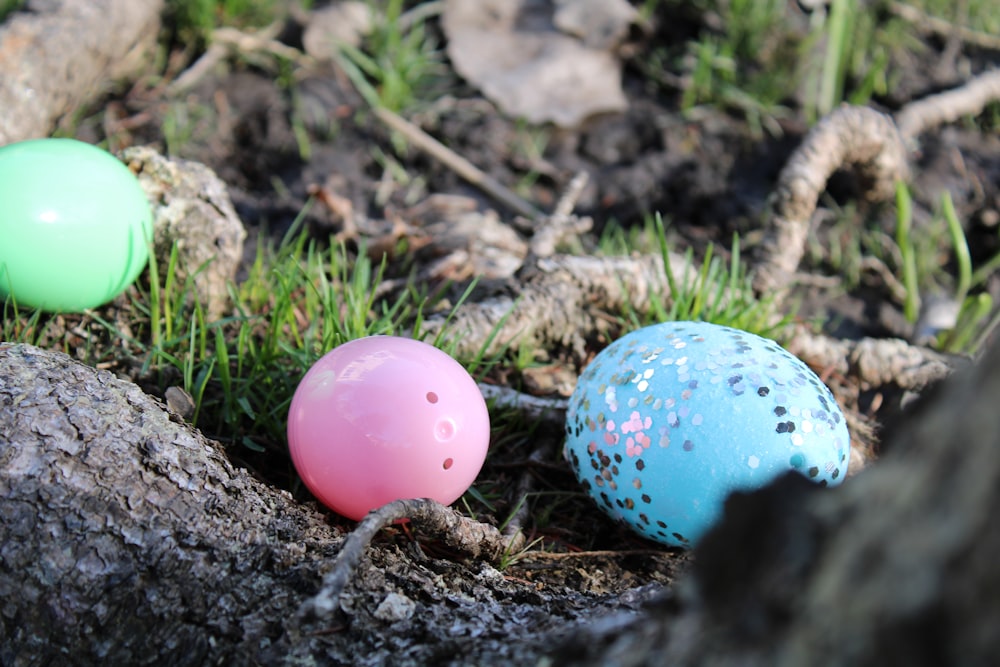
[478, 540]
[937, 26]
[968, 100]
[456, 163]
[228, 41]
[551, 230]
[534, 408]
[850, 137]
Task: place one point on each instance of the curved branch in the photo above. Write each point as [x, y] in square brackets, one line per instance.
[560, 301]
[968, 100]
[850, 137]
[478, 540]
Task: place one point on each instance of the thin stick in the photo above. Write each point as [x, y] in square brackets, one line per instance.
[478, 540]
[535, 408]
[944, 28]
[571, 196]
[967, 100]
[513, 530]
[602, 553]
[457, 163]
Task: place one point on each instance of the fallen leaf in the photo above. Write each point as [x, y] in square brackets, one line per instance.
[516, 53]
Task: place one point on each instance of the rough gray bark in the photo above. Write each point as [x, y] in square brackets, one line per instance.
[128, 537]
[57, 54]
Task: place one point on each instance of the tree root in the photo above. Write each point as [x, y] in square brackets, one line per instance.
[858, 138]
[560, 301]
[476, 539]
[875, 362]
[968, 100]
[873, 146]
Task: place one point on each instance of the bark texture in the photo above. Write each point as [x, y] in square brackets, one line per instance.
[57, 54]
[128, 537]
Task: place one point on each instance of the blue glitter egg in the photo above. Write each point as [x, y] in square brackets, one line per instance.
[669, 419]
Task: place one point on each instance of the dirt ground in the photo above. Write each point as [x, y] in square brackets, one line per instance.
[708, 171]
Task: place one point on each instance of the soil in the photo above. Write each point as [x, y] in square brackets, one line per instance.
[709, 172]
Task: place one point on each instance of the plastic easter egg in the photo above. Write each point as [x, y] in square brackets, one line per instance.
[384, 418]
[669, 419]
[74, 225]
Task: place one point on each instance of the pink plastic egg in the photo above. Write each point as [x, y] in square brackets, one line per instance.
[384, 418]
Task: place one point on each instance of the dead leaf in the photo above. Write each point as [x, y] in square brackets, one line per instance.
[515, 53]
[601, 24]
[340, 23]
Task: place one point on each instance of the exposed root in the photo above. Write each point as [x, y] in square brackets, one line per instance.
[477, 540]
[969, 100]
[857, 138]
[875, 362]
[931, 24]
[871, 144]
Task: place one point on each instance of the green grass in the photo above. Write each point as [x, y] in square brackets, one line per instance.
[195, 19]
[300, 299]
[9, 6]
[908, 256]
[745, 67]
[616, 239]
[717, 291]
[399, 65]
[758, 62]
[842, 245]
[922, 270]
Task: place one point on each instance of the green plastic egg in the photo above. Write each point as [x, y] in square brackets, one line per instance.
[74, 225]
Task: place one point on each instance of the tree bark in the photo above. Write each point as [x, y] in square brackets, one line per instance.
[55, 55]
[128, 537]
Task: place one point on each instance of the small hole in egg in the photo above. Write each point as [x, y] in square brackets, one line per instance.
[432, 397]
[447, 463]
[444, 430]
